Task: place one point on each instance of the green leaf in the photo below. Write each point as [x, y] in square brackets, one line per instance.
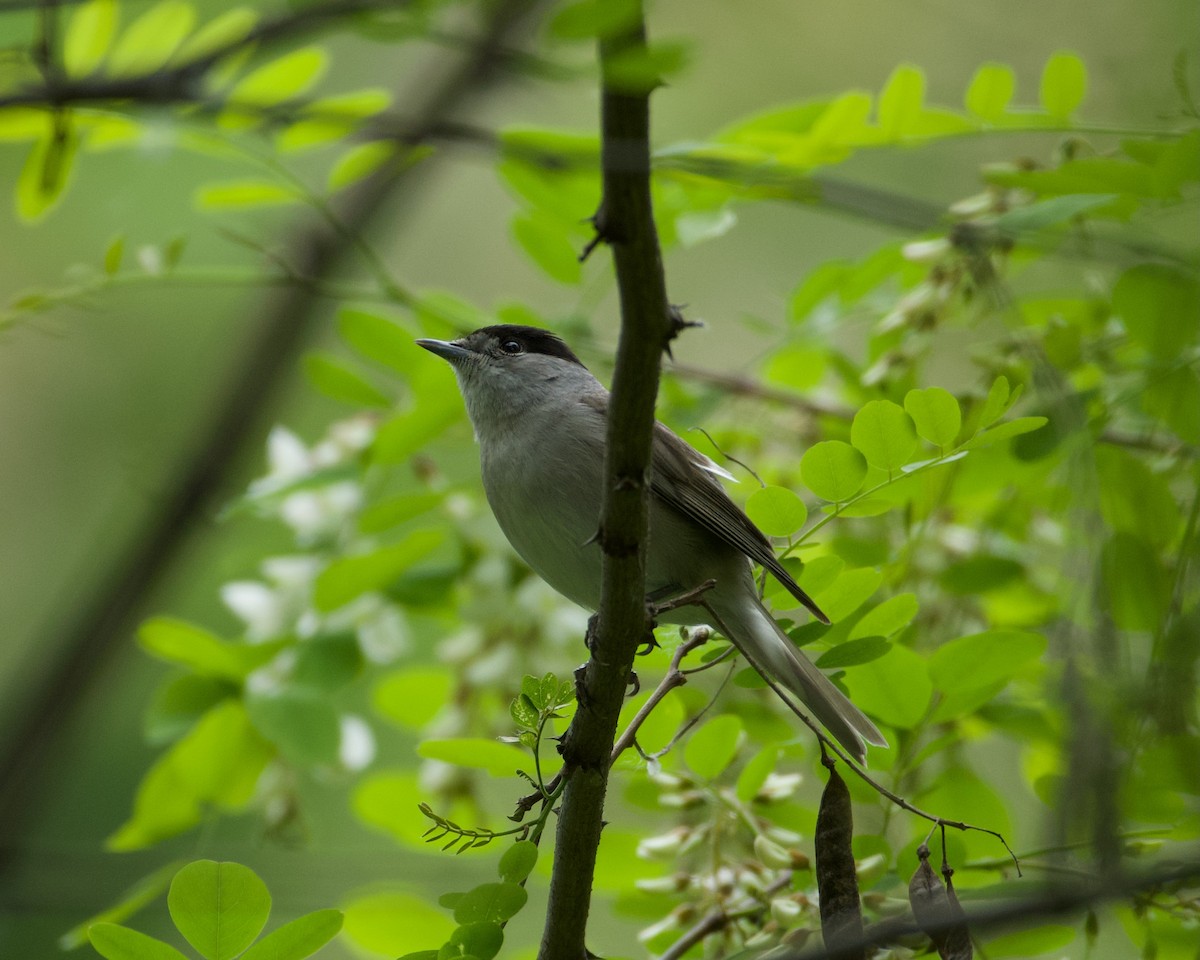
[299, 938]
[285, 78]
[89, 33]
[935, 413]
[392, 923]
[853, 652]
[754, 774]
[47, 170]
[518, 861]
[218, 907]
[413, 696]
[218, 763]
[776, 511]
[980, 573]
[848, 592]
[358, 163]
[894, 688]
[243, 193]
[327, 662]
[996, 403]
[901, 101]
[498, 759]
[201, 651]
[1064, 85]
[982, 659]
[591, 19]
[549, 244]
[1050, 212]
[340, 381]
[180, 702]
[1004, 431]
[301, 723]
[490, 903]
[712, 747]
[884, 433]
[991, 91]
[1160, 307]
[867, 507]
[796, 367]
[833, 470]
[377, 337]
[821, 283]
[349, 577]
[638, 70]
[481, 941]
[114, 942]
[891, 616]
[332, 118]
[112, 255]
[221, 32]
[1174, 398]
[148, 43]
[393, 511]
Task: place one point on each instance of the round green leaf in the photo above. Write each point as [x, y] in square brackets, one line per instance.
[712, 747]
[393, 923]
[518, 861]
[490, 903]
[412, 696]
[498, 759]
[935, 413]
[218, 907]
[884, 433]
[848, 592]
[894, 688]
[479, 940]
[1064, 84]
[983, 658]
[298, 939]
[776, 511]
[991, 91]
[114, 942]
[833, 470]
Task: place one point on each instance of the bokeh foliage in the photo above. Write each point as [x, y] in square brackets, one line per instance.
[996, 504]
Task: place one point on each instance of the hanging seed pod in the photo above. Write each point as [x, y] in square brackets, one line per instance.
[837, 882]
[937, 911]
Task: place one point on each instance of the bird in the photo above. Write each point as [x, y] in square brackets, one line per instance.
[539, 417]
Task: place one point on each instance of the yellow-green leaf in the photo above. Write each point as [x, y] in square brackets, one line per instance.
[150, 41]
[89, 34]
[991, 91]
[1064, 85]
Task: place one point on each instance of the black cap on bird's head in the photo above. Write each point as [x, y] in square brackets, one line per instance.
[502, 340]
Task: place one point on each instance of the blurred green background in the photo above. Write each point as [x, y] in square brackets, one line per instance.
[100, 400]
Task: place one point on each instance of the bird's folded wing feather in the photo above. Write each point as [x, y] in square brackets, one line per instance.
[684, 478]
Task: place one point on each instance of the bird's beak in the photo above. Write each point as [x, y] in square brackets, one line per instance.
[446, 349]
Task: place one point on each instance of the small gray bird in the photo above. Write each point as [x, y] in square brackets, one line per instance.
[539, 417]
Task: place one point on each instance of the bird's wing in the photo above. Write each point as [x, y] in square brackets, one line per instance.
[684, 478]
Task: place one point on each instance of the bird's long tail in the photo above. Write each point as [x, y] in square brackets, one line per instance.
[755, 633]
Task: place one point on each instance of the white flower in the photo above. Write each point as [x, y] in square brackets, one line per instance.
[385, 636]
[357, 747]
[258, 606]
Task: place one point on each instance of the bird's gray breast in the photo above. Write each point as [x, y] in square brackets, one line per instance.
[543, 482]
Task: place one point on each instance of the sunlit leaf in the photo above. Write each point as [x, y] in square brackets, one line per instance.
[148, 43]
[884, 434]
[114, 942]
[243, 193]
[282, 79]
[298, 938]
[89, 34]
[352, 576]
[223, 31]
[984, 658]
[393, 923]
[776, 511]
[894, 688]
[991, 91]
[218, 907]
[498, 759]
[358, 163]
[935, 414]
[490, 903]
[340, 381]
[901, 101]
[891, 616]
[1064, 85]
[833, 470]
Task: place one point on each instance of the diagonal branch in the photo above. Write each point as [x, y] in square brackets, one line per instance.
[97, 627]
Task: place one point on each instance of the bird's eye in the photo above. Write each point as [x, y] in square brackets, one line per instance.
[512, 347]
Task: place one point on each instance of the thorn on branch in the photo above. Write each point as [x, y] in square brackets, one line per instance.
[599, 222]
[678, 323]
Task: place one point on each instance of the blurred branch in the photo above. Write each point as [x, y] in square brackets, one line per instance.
[98, 626]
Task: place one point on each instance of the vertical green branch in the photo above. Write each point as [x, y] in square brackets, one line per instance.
[625, 221]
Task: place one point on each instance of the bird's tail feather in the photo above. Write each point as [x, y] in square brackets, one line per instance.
[756, 634]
